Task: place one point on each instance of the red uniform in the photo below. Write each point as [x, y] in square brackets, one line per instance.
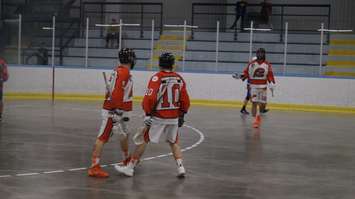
[121, 88]
[120, 97]
[259, 73]
[4, 74]
[166, 96]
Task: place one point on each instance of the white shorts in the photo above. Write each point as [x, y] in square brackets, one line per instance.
[167, 126]
[108, 126]
[258, 95]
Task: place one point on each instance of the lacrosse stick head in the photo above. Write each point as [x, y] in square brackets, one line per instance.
[236, 75]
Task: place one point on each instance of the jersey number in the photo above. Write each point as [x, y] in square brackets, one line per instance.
[171, 96]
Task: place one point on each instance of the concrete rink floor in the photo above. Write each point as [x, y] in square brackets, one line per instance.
[45, 150]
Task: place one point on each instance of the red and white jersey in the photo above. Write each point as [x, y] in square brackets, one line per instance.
[259, 74]
[4, 74]
[166, 96]
[121, 90]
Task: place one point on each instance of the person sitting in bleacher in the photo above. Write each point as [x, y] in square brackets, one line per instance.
[266, 12]
[112, 34]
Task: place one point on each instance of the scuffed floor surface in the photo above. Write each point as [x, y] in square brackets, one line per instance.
[45, 150]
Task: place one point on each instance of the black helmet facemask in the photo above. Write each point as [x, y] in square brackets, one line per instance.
[260, 54]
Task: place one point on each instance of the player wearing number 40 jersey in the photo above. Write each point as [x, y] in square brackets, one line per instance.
[259, 74]
[174, 100]
[165, 103]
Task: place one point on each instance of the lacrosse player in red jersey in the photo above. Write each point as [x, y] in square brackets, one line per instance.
[259, 74]
[165, 103]
[4, 76]
[118, 102]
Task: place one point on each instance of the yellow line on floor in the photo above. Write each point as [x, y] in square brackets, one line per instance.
[208, 103]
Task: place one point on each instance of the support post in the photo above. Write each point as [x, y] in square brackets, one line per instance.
[53, 67]
[19, 39]
[87, 42]
[152, 46]
[285, 49]
[217, 46]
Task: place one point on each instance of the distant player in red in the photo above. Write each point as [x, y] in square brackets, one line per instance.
[165, 103]
[4, 76]
[259, 74]
[118, 102]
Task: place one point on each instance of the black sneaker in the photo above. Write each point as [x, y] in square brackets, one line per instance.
[243, 111]
[265, 111]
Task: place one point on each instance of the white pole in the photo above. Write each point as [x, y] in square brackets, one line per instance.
[120, 37]
[251, 40]
[87, 42]
[152, 46]
[184, 47]
[321, 49]
[53, 67]
[285, 49]
[19, 39]
[217, 46]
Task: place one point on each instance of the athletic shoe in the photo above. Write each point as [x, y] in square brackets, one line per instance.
[181, 172]
[125, 161]
[264, 111]
[257, 122]
[243, 111]
[97, 171]
[124, 170]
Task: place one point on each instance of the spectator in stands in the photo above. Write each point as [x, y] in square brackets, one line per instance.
[112, 34]
[240, 12]
[4, 75]
[266, 12]
[42, 55]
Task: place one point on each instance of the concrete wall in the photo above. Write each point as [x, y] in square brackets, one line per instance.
[289, 90]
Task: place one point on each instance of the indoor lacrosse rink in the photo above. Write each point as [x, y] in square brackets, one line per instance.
[54, 54]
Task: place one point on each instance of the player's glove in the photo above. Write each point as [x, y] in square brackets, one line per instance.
[272, 88]
[148, 120]
[118, 112]
[181, 120]
[117, 116]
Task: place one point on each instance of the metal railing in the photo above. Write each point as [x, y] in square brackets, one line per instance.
[66, 39]
[311, 14]
[33, 19]
[128, 11]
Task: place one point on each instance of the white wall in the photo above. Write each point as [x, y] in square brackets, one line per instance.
[289, 90]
